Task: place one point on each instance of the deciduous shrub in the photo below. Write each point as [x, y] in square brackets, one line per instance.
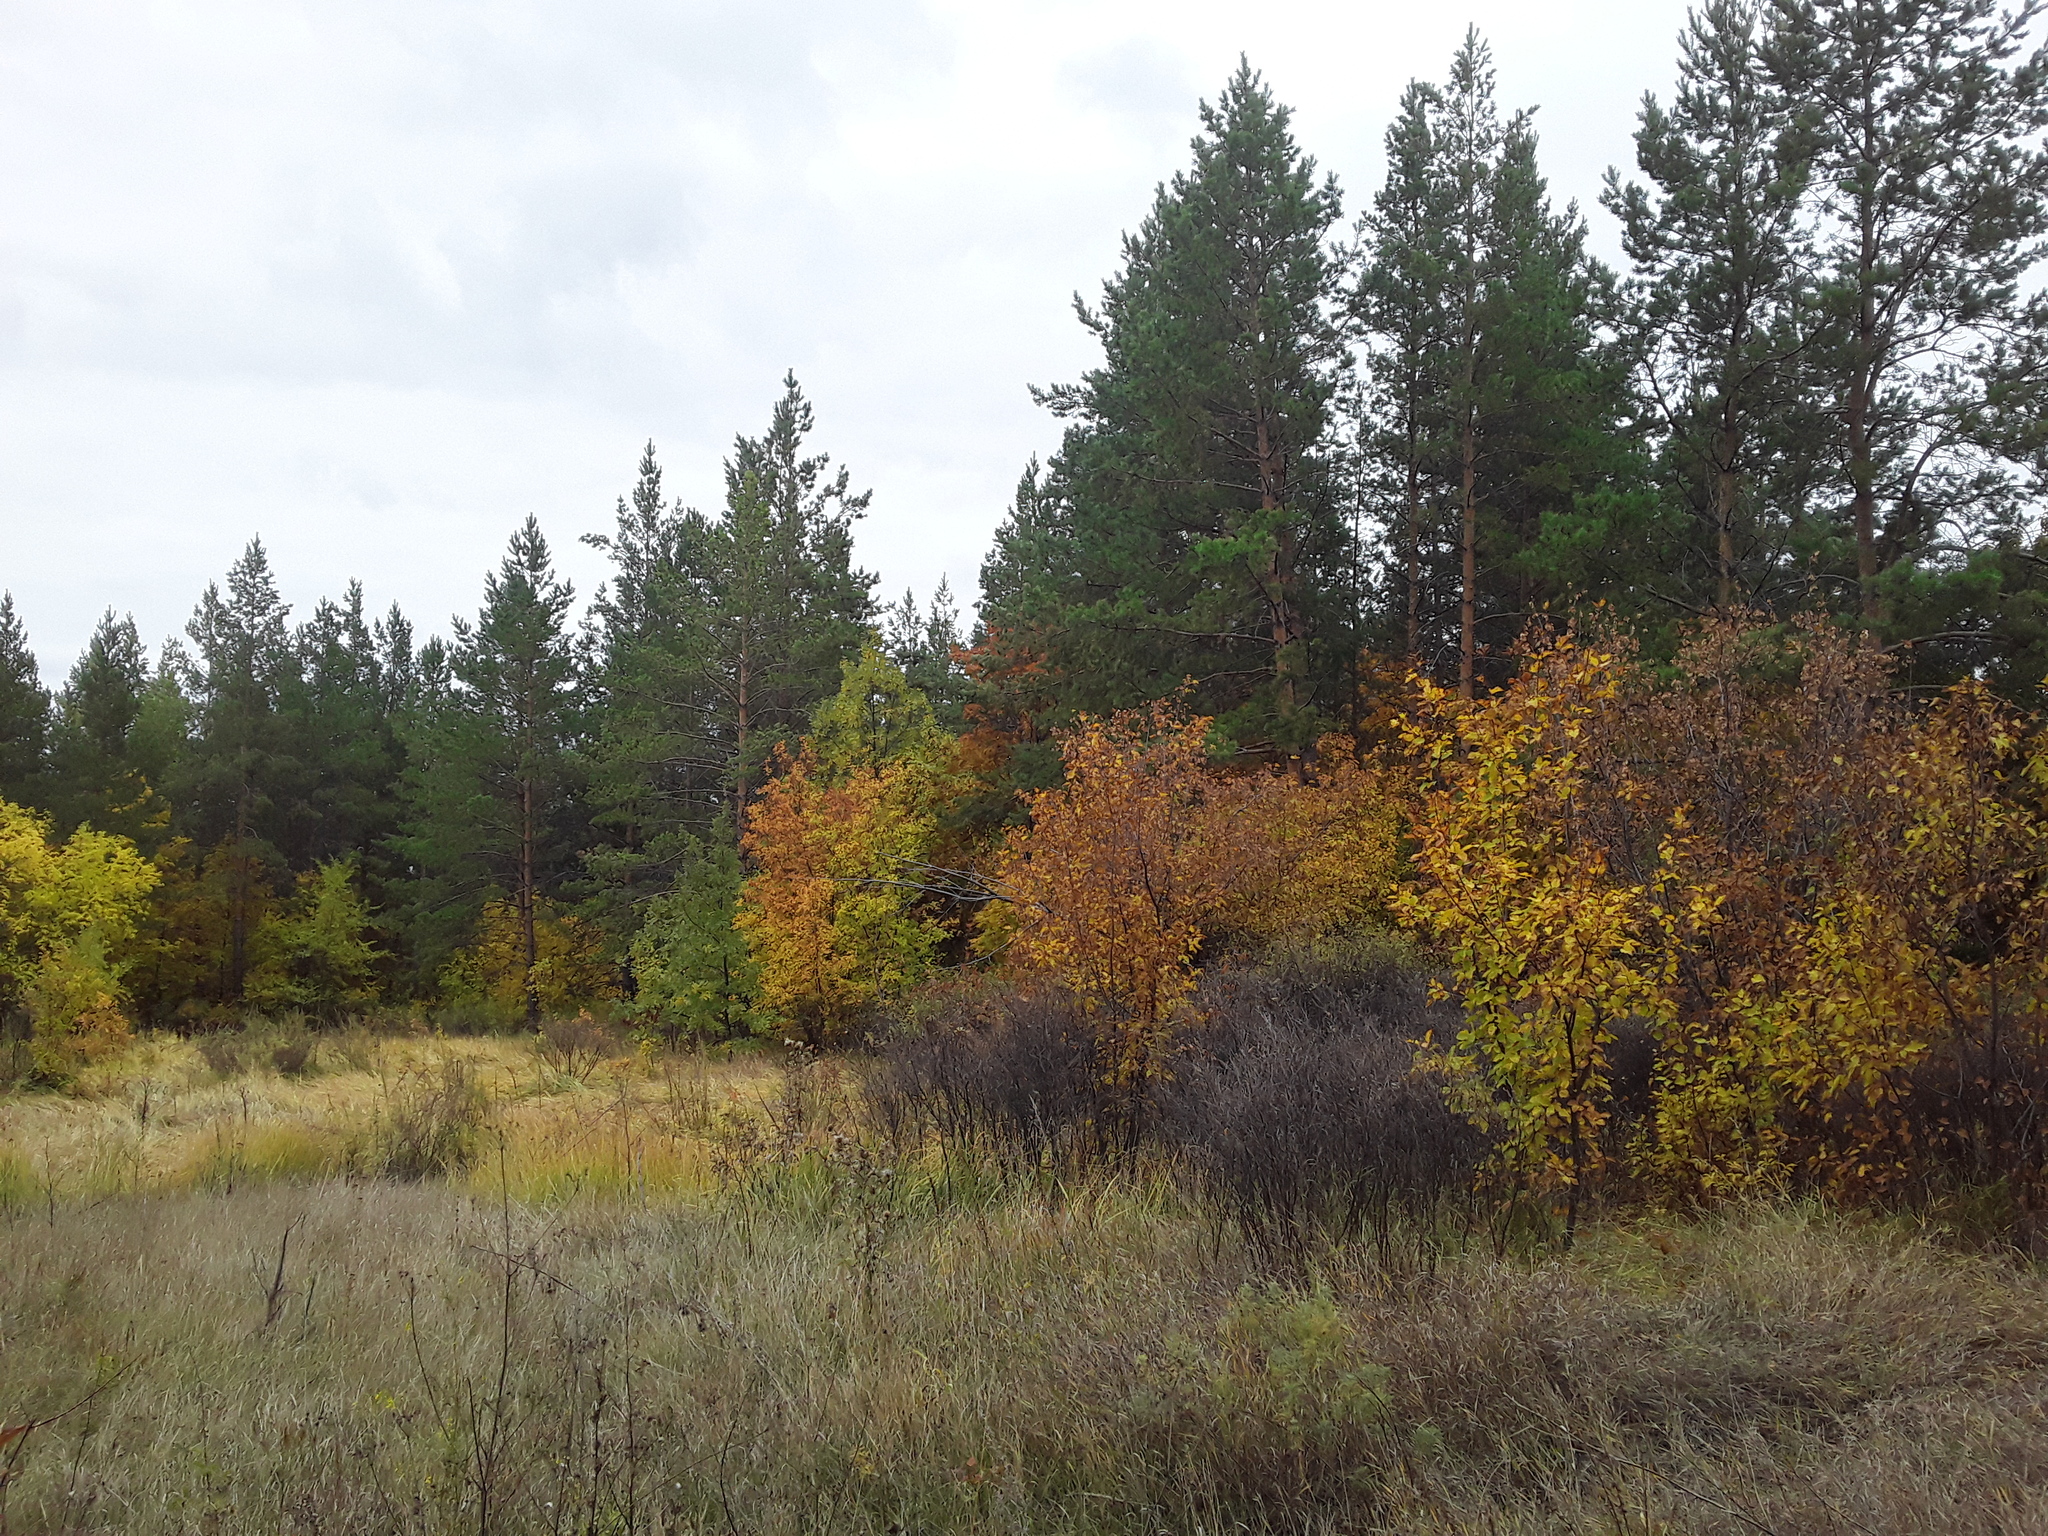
[574, 1046]
[1146, 856]
[1308, 1119]
[68, 917]
[1297, 1105]
[831, 914]
[568, 968]
[316, 955]
[1828, 905]
[1013, 1074]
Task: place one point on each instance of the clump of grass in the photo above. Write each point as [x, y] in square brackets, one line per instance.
[293, 1055]
[18, 1182]
[225, 1052]
[575, 1047]
[269, 1153]
[355, 1048]
[432, 1124]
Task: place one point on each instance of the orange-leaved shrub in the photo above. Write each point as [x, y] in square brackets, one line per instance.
[831, 911]
[1146, 855]
[828, 914]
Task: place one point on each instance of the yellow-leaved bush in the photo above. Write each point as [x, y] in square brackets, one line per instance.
[566, 970]
[1827, 908]
[68, 914]
[1549, 948]
[830, 911]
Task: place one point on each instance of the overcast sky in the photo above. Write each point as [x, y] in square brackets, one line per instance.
[374, 280]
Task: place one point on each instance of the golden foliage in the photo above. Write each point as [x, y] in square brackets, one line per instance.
[831, 912]
[1550, 951]
[1315, 855]
[68, 915]
[827, 913]
[569, 966]
[1832, 912]
[51, 892]
[75, 1009]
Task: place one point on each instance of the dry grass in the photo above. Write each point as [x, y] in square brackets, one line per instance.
[162, 1119]
[693, 1302]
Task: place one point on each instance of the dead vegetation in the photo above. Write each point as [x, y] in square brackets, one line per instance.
[707, 1296]
[416, 1358]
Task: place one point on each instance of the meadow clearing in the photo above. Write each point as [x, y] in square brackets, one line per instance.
[433, 1284]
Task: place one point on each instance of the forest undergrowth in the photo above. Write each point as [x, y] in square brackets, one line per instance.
[793, 1293]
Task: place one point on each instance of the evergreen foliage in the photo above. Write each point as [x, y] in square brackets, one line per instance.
[715, 640]
[1931, 197]
[94, 777]
[493, 803]
[1191, 524]
[24, 710]
[241, 784]
[1718, 246]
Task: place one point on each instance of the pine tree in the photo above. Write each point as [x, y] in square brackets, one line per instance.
[1560, 458]
[716, 638]
[1716, 249]
[1503, 403]
[24, 712]
[789, 604]
[1468, 148]
[924, 644]
[493, 787]
[658, 774]
[240, 784]
[1196, 527]
[1402, 306]
[94, 777]
[1932, 195]
[342, 719]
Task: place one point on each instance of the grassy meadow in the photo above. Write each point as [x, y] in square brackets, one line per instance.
[419, 1284]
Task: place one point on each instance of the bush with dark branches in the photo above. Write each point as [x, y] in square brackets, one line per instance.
[1292, 1099]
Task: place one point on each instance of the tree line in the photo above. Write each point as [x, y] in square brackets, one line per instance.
[1323, 453]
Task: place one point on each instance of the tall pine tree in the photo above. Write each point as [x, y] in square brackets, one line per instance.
[1198, 528]
[1403, 304]
[716, 638]
[1931, 191]
[1498, 445]
[493, 787]
[94, 777]
[24, 711]
[1716, 244]
[240, 785]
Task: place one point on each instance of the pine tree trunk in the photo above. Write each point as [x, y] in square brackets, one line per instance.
[1863, 385]
[1863, 498]
[1412, 541]
[1278, 580]
[739, 777]
[527, 900]
[1468, 600]
[238, 925]
[1725, 488]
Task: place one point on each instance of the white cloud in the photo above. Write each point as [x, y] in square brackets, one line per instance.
[376, 280]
